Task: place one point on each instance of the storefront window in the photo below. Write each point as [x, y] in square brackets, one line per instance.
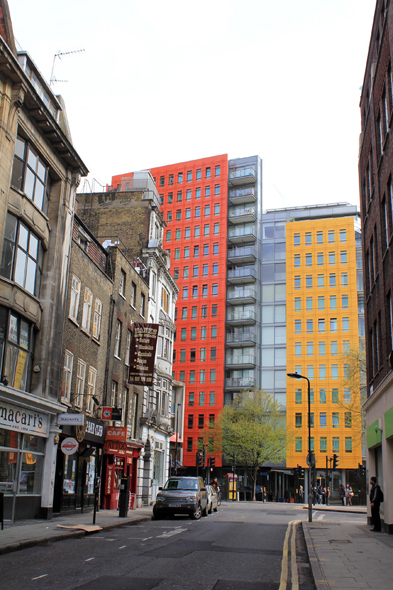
[90, 471]
[31, 474]
[25, 468]
[69, 474]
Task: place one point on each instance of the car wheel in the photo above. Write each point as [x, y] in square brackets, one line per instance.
[157, 515]
[216, 508]
[196, 515]
[210, 508]
[205, 511]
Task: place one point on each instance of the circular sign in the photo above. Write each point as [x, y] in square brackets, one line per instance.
[69, 446]
[107, 413]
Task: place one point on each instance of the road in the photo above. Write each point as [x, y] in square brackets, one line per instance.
[245, 546]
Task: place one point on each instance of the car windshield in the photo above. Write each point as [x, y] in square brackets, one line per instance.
[181, 484]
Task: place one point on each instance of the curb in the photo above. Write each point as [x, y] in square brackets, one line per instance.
[329, 509]
[75, 534]
[319, 578]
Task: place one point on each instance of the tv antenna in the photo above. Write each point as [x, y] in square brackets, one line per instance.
[58, 55]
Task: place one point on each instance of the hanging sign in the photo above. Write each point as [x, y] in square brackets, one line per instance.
[142, 355]
[116, 433]
[69, 446]
[71, 419]
[109, 413]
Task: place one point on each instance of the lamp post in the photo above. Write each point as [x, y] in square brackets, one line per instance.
[310, 457]
[177, 435]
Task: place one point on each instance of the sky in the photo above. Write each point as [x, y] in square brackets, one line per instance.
[161, 82]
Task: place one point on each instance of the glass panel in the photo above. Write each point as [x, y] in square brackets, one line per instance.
[267, 379]
[41, 171]
[20, 266]
[17, 174]
[280, 356]
[31, 474]
[33, 247]
[280, 291]
[267, 314]
[280, 335]
[280, 379]
[10, 364]
[267, 335]
[268, 293]
[13, 330]
[30, 275]
[23, 237]
[33, 443]
[8, 466]
[9, 439]
[20, 148]
[268, 357]
[32, 159]
[279, 313]
[29, 183]
[39, 193]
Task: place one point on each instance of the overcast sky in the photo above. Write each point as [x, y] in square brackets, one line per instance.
[167, 81]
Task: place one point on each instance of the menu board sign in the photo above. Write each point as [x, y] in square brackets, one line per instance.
[143, 352]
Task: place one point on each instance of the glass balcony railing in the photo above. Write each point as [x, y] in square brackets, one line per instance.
[242, 194]
[239, 316]
[240, 382]
[241, 294]
[240, 359]
[242, 212]
[239, 337]
[242, 232]
[244, 253]
[245, 173]
[240, 273]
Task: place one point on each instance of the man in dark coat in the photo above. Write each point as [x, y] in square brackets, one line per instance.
[375, 502]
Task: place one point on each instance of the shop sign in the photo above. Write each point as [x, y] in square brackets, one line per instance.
[95, 431]
[116, 433]
[23, 420]
[71, 419]
[109, 413]
[69, 446]
[142, 354]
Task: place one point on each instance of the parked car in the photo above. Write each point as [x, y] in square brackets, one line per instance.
[182, 495]
[212, 499]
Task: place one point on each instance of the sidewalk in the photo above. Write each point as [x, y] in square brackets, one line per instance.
[346, 556]
[338, 508]
[28, 533]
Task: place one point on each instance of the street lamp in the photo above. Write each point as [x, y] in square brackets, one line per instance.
[177, 435]
[310, 458]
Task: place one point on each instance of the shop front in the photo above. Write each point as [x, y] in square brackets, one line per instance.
[120, 460]
[78, 472]
[27, 454]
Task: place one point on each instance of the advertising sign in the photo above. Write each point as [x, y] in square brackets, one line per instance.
[69, 446]
[143, 352]
[109, 413]
[70, 419]
[25, 420]
[116, 433]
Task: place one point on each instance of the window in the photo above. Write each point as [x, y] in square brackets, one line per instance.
[198, 193]
[201, 398]
[332, 258]
[333, 324]
[345, 324]
[185, 272]
[200, 420]
[162, 180]
[321, 281]
[22, 256]
[118, 339]
[214, 332]
[335, 396]
[298, 326]
[197, 213]
[202, 375]
[322, 396]
[199, 174]
[333, 348]
[204, 290]
[343, 257]
[216, 229]
[188, 213]
[86, 312]
[321, 302]
[80, 382]
[214, 309]
[344, 301]
[320, 259]
[215, 268]
[203, 332]
[323, 444]
[197, 231]
[298, 349]
[298, 444]
[203, 355]
[183, 334]
[195, 291]
[321, 349]
[169, 216]
[331, 236]
[336, 444]
[191, 398]
[216, 190]
[192, 377]
[207, 191]
[206, 229]
[194, 312]
[343, 235]
[319, 237]
[308, 259]
[206, 249]
[189, 176]
[186, 252]
[307, 238]
[213, 353]
[195, 270]
[180, 178]
[207, 210]
[67, 375]
[212, 375]
[204, 311]
[310, 327]
[335, 420]
[348, 444]
[97, 318]
[348, 419]
[177, 254]
[178, 215]
[296, 261]
[308, 281]
[334, 371]
[333, 302]
[30, 174]
[196, 251]
[310, 372]
[332, 280]
[184, 313]
[185, 292]
[168, 235]
[74, 298]
[216, 208]
[217, 170]
[322, 371]
[215, 289]
[212, 398]
[215, 249]
[298, 396]
[298, 420]
[170, 198]
[310, 348]
[143, 302]
[322, 420]
[298, 304]
[190, 421]
[91, 388]
[122, 285]
[170, 179]
[192, 355]
[297, 282]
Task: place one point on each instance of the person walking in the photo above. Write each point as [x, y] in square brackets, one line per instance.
[376, 497]
[327, 497]
[341, 492]
[349, 495]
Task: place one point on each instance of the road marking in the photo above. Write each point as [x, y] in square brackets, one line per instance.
[284, 564]
[294, 570]
[170, 533]
[147, 538]
[321, 517]
[314, 514]
[90, 559]
[123, 546]
[38, 577]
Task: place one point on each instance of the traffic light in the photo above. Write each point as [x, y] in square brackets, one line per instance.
[212, 461]
[301, 471]
[335, 461]
[204, 456]
[361, 469]
[199, 459]
[296, 471]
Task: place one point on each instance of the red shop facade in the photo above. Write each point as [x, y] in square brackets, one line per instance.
[120, 460]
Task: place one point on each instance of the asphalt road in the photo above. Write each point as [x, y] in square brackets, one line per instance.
[245, 546]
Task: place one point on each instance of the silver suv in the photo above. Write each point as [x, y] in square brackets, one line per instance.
[182, 495]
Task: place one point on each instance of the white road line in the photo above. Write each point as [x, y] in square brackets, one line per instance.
[38, 577]
[123, 546]
[90, 559]
[314, 514]
[147, 538]
[170, 534]
[321, 517]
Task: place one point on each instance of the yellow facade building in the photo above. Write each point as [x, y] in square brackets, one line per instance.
[322, 323]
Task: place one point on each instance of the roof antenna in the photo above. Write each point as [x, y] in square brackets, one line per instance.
[59, 54]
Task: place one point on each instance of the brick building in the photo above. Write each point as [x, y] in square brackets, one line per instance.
[132, 215]
[39, 173]
[376, 198]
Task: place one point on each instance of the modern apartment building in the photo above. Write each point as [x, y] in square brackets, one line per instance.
[376, 198]
[312, 313]
[213, 211]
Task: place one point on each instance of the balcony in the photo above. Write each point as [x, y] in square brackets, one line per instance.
[242, 214]
[242, 296]
[242, 195]
[244, 175]
[242, 255]
[244, 361]
[245, 318]
[240, 383]
[242, 234]
[242, 275]
[236, 339]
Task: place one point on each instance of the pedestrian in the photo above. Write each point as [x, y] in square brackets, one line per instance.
[376, 497]
[341, 492]
[349, 495]
[319, 495]
[301, 494]
[327, 496]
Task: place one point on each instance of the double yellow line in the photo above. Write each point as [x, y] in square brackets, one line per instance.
[290, 537]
